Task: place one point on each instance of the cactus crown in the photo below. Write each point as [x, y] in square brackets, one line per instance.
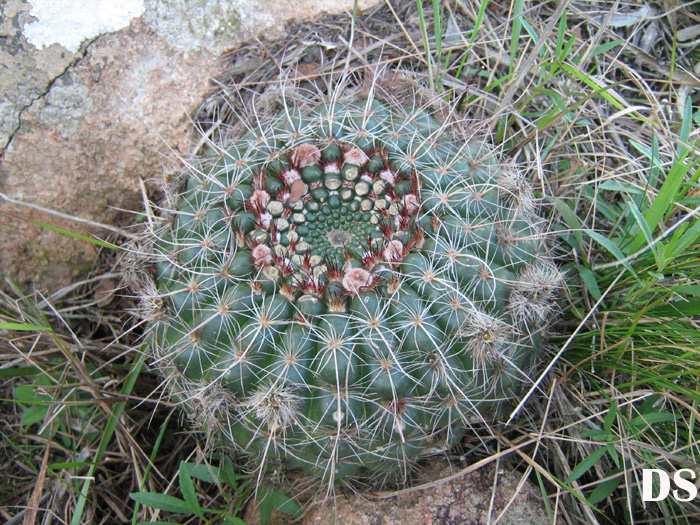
[346, 285]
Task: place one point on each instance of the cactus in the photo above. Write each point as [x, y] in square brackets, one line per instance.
[345, 285]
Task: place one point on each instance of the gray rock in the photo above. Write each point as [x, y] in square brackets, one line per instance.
[78, 130]
[480, 497]
[84, 138]
[65, 106]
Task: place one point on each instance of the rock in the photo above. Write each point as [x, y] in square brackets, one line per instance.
[69, 22]
[86, 137]
[78, 129]
[463, 500]
[27, 72]
[222, 24]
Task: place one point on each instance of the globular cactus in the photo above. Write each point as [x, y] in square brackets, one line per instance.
[342, 286]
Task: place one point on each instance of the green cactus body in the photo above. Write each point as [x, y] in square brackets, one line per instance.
[358, 285]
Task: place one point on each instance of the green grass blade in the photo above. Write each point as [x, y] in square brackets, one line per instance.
[554, 116]
[479, 19]
[20, 371]
[654, 162]
[613, 249]
[69, 464]
[161, 501]
[686, 126]
[585, 465]
[690, 289]
[677, 309]
[233, 520]
[273, 500]
[569, 217]
[92, 240]
[25, 327]
[187, 488]
[204, 472]
[665, 200]
[437, 15]
[604, 48]
[107, 437]
[642, 223]
[689, 238]
[561, 35]
[604, 489]
[598, 90]
[515, 32]
[589, 281]
[152, 458]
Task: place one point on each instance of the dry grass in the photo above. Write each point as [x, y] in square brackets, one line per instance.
[597, 99]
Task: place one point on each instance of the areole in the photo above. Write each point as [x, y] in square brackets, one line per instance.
[360, 279]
